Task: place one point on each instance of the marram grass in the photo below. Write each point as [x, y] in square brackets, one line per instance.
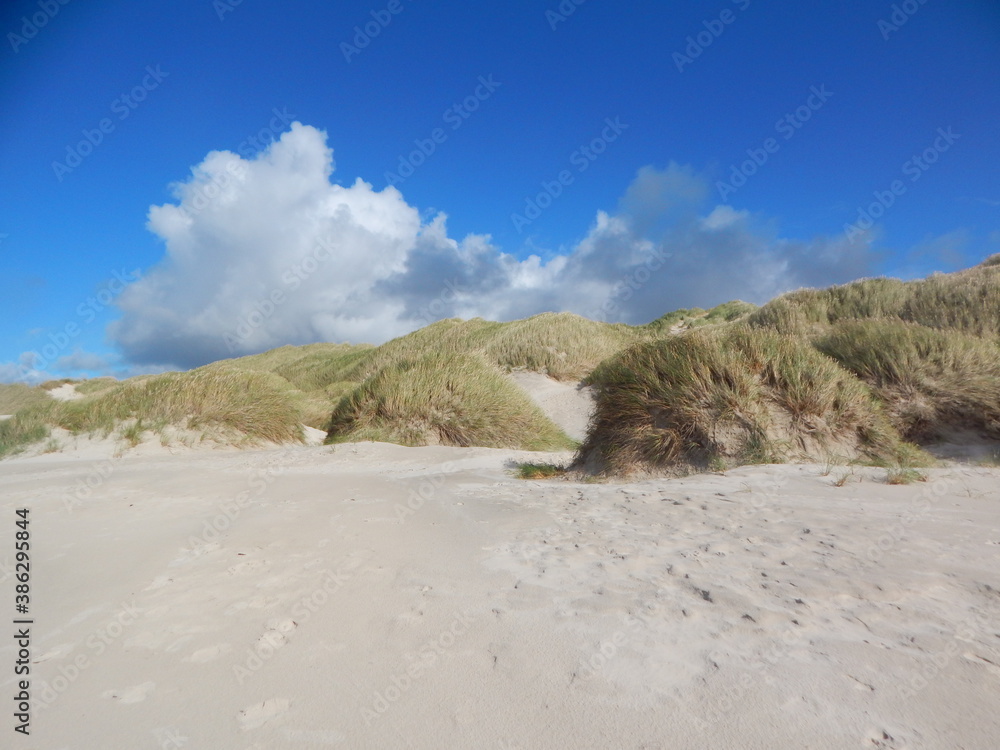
[448, 399]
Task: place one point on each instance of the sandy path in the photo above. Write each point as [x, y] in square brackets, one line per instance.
[566, 404]
[753, 610]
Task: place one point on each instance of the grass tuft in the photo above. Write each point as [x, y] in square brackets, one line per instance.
[539, 471]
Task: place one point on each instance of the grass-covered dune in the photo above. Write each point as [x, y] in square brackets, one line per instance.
[932, 381]
[444, 398]
[967, 301]
[715, 398]
[224, 404]
[848, 372]
[17, 396]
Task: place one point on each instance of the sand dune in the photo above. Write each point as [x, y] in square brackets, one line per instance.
[374, 596]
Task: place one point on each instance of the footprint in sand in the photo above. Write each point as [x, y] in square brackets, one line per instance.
[260, 714]
[208, 654]
[134, 694]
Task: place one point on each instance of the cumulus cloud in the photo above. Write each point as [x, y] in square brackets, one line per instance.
[268, 251]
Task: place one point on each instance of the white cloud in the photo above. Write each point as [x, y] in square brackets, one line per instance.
[267, 251]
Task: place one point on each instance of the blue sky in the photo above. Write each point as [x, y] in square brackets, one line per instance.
[678, 154]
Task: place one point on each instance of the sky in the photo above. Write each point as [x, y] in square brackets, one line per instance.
[186, 181]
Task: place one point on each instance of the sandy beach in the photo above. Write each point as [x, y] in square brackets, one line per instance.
[371, 595]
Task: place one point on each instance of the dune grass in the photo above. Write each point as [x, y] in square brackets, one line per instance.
[17, 396]
[29, 425]
[695, 317]
[561, 345]
[448, 399]
[229, 405]
[967, 301]
[931, 381]
[95, 385]
[247, 406]
[729, 396]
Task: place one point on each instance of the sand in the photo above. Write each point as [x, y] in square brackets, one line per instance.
[375, 596]
[569, 405]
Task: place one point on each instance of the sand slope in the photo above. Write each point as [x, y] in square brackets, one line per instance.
[374, 596]
[569, 405]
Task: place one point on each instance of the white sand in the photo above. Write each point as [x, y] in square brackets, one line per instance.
[752, 610]
[569, 405]
[65, 392]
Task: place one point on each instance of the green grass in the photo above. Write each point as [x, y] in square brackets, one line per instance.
[904, 475]
[29, 425]
[695, 317]
[447, 399]
[967, 301]
[247, 406]
[539, 471]
[931, 381]
[729, 396]
[95, 385]
[17, 396]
